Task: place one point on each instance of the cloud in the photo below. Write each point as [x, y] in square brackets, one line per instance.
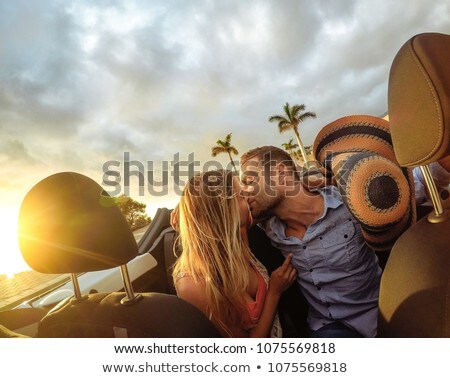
[14, 150]
[84, 82]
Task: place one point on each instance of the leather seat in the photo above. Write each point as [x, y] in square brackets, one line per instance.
[415, 286]
[68, 224]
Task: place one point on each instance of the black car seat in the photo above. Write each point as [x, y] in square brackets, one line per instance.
[68, 224]
[21, 321]
[158, 242]
[415, 286]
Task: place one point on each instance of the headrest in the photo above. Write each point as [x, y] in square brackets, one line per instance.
[419, 100]
[68, 224]
[357, 153]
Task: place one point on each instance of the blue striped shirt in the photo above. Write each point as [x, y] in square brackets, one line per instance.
[338, 273]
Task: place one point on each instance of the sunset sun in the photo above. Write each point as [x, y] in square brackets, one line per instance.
[12, 261]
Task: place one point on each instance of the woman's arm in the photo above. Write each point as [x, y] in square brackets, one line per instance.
[280, 280]
[194, 293]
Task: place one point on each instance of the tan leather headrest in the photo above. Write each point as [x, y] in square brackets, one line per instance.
[419, 100]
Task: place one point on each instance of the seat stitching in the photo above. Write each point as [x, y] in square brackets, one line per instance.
[436, 102]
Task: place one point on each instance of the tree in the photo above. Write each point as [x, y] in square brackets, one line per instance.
[309, 151]
[290, 147]
[133, 211]
[224, 146]
[295, 114]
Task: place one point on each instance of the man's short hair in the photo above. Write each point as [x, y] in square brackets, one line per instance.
[268, 155]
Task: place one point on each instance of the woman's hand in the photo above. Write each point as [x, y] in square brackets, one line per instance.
[280, 280]
[283, 277]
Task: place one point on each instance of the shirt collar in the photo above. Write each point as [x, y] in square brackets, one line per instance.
[332, 200]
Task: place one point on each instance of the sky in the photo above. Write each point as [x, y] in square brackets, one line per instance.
[83, 83]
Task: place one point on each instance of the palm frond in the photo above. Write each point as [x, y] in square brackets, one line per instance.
[217, 150]
[233, 150]
[297, 109]
[285, 126]
[306, 115]
[224, 146]
[288, 147]
[278, 118]
[309, 149]
[221, 143]
[291, 142]
[287, 110]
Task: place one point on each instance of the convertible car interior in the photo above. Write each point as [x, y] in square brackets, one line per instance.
[415, 285]
[69, 225]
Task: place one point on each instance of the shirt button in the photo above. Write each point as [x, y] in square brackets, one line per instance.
[320, 238]
[346, 236]
[319, 288]
[311, 270]
[304, 247]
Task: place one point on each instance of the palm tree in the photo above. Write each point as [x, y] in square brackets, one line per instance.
[295, 114]
[290, 147]
[225, 146]
[309, 150]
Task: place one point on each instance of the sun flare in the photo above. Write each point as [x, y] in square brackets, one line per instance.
[11, 260]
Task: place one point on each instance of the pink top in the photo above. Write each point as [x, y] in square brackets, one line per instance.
[255, 307]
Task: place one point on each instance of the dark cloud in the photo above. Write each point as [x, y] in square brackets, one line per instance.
[41, 72]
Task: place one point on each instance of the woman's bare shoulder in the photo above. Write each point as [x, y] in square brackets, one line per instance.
[192, 291]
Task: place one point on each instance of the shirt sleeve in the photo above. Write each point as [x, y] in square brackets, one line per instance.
[441, 178]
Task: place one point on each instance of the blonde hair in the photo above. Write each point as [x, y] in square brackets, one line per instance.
[213, 251]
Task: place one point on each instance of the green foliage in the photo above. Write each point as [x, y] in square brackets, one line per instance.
[294, 115]
[309, 153]
[133, 211]
[224, 146]
[289, 146]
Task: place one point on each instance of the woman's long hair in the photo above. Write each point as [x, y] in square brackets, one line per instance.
[213, 251]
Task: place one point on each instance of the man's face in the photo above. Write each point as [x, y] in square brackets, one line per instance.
[259, 186]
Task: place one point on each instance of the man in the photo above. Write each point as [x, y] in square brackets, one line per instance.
[338, 273]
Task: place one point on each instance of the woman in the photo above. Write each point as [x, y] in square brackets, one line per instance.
[216, 271]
